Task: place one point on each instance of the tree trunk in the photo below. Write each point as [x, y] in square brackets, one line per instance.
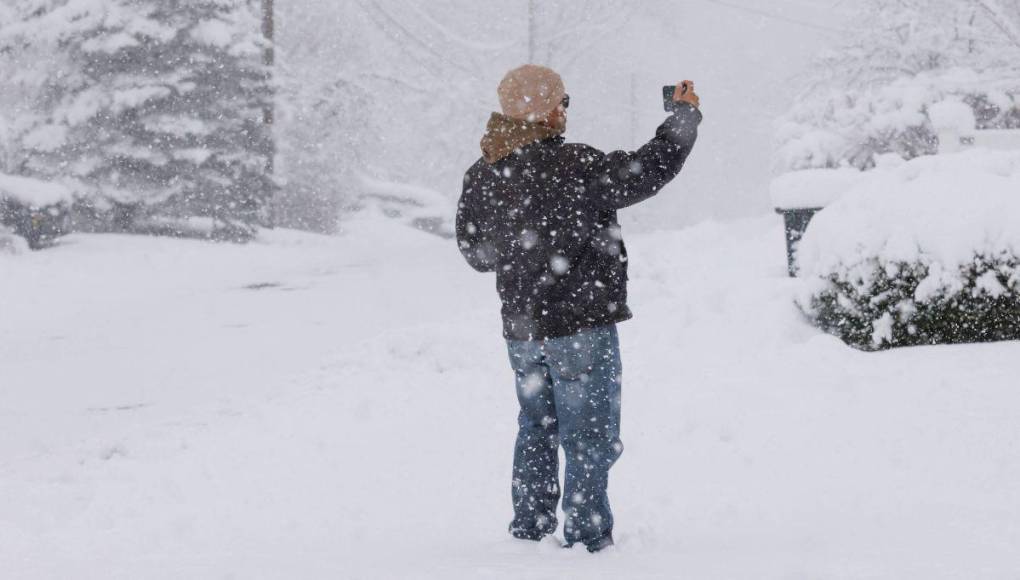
[269, 55]
[268, 110]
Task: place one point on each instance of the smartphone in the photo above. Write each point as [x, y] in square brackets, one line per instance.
[667, 97]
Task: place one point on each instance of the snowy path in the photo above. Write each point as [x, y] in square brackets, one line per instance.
[355, 420]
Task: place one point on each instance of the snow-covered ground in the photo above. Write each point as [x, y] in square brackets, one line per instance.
[313, 407]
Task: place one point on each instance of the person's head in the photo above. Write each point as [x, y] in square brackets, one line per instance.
[536, 94]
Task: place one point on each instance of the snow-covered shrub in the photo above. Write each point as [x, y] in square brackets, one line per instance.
[35, 192]
[838, 128]
[887, 304]
[153, 105]
[926, 252]
[36, 210]
[873, 95]
[416, 206]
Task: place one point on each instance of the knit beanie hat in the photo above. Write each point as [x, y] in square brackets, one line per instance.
[530, 92]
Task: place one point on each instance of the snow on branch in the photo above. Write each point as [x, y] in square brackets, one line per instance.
[34, 192]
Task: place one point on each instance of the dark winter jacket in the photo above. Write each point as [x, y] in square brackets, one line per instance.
[543, 217]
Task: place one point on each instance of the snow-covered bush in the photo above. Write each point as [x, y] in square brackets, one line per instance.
[34, 192]
[151, 106]
[873, 95]
[902, 117]
[36, 210]
[416, 206]
[926, 252]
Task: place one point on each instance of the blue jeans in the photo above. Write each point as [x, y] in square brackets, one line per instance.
[569, 392]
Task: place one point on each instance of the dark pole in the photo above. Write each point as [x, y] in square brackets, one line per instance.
[268, 112]
[269, 55]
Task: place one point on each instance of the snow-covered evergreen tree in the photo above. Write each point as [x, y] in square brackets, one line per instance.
[155, 106]
[6, 99]
[871, 95]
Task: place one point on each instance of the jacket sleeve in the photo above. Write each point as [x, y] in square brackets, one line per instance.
[621, 179]
[479, 252]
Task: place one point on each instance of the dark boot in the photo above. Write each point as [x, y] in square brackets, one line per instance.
[600, 544]
[596, 545]
[534, 535]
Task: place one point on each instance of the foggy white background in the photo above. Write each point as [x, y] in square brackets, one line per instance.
[431, 69]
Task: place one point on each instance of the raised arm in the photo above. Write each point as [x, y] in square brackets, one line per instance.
[621, 179]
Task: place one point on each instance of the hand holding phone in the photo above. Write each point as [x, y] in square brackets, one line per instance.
[683, 92]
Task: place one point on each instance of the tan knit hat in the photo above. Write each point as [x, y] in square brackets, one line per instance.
[530, 92]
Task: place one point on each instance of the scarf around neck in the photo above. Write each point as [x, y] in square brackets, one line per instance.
[504, 135]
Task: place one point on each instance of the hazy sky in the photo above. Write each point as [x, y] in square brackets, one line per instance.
[744, 64]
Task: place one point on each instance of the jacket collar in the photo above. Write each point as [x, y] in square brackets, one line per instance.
[504, 135]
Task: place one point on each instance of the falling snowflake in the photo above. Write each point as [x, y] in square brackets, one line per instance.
[559, 264]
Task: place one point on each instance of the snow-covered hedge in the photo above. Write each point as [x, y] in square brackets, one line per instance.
[34, 209]
[923, 252]
[416, 206]
[34, 192]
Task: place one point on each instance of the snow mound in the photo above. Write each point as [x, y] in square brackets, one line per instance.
[11, 243]
[34, 192]
[943, 208]
[952, 115]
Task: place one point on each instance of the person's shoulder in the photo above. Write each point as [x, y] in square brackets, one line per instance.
[478, 170]
[479, 166]
[581, 153]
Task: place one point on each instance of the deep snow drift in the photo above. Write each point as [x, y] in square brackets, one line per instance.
[310, 407]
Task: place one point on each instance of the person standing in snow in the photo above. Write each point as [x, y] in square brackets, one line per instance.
[541, 213]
